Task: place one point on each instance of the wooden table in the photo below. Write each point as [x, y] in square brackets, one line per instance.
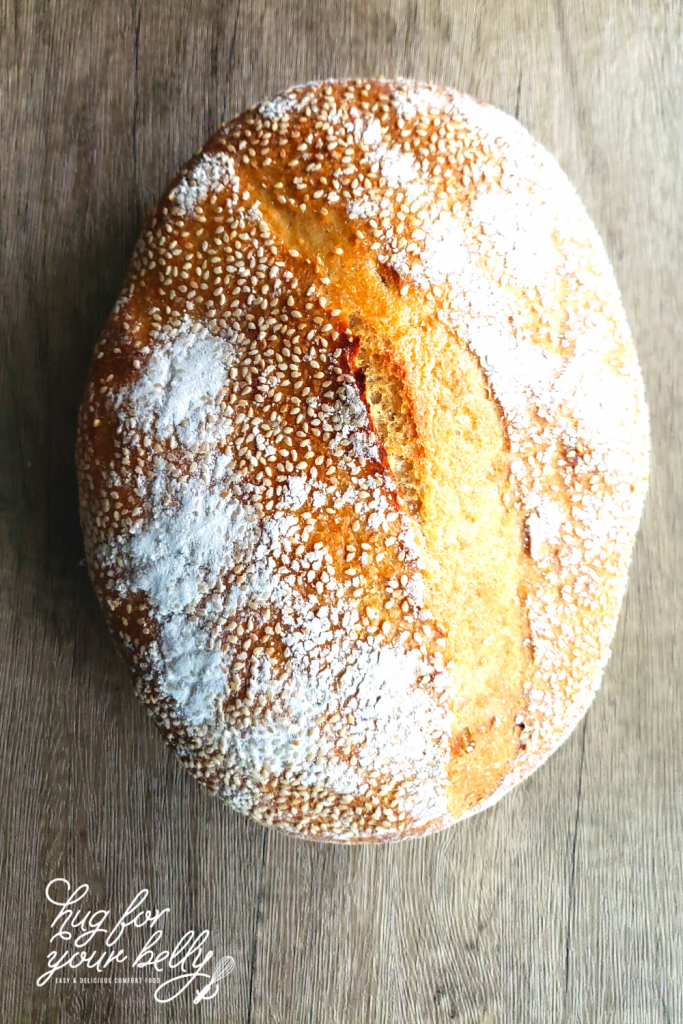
[564, 903]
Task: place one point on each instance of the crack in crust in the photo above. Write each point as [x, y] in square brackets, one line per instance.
[384, 390]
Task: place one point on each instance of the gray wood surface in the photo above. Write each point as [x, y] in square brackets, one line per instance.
[565, 902]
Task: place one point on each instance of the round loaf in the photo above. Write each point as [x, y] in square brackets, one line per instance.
[361, 458]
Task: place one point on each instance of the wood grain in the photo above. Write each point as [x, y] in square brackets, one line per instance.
[563, 903]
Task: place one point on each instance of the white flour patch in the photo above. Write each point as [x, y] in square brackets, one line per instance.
[445, 255]
[181, 381]
[273, 110]
[601, 402]
[211, 172]
[189, 673]
[362, 208]
[410, 101]
[296, 493]
[176, 558]
[517, 369]
[329, 670]
[544, 526]
[494, 124]
[520, 227]
[205, 532]
[372, 134]
[398, 168]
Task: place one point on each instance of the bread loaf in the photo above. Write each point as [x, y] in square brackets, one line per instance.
[361, 458]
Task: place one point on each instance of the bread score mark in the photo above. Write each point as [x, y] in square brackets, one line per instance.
[473, 544]
[383, 388]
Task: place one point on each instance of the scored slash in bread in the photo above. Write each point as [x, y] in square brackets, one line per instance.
[361, 457]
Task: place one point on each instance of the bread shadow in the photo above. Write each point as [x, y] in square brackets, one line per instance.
[61, 295]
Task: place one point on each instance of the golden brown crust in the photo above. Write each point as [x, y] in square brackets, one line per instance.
[361, 457]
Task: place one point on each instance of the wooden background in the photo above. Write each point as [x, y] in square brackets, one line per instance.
[565, 902]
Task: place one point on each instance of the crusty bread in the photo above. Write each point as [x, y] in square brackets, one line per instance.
[362, 455]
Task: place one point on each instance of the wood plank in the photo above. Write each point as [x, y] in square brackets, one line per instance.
[563, 902]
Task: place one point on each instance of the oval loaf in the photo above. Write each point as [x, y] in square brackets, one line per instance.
[361, 457]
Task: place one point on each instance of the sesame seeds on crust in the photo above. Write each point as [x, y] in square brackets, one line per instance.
[277, 597]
